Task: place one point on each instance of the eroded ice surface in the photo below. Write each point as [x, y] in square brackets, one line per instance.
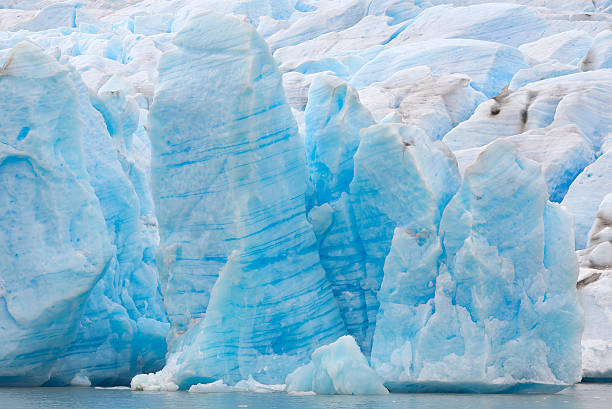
[471, 297]
[274, 236]
[229, 185]
[54, 239]
[595, 289]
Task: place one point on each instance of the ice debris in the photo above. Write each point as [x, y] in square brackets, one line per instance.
[337, 369]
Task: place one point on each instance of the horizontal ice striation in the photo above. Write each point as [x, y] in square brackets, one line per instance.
[334, 117]
[401, 179]
[416, 97]
[124, 325]
[489, 65]
[475, 308]
[336, 369]
[54, 240]
[595, 291]
[229, 181]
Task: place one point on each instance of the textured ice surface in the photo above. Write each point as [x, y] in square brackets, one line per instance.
[229, 183]
[595, 289]
[334, 118]
[263, 190]
[401, 178]
[123, 328]
[586, 193]
[338, 368]
[489, 65]
[416, 97]
[502, 23]
[562, 152]
[476, 309]
[54, 240]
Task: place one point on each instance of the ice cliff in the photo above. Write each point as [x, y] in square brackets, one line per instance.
[313, 196]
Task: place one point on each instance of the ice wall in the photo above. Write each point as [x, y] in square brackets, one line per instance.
[474, 308]
[229, 181]
[54, 240]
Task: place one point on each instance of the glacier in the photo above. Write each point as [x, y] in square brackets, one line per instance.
[595, 289]
[305, 196]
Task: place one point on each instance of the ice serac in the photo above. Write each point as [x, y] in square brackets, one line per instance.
[337, 369]
[124, 325]
[510, 24]
[401, 179]
[414, 96]
[595, 291]
[489, 65]
[562, 152]
[229, 182]
[489, 304]
[586, 193]
[334, 117]
[54, 241]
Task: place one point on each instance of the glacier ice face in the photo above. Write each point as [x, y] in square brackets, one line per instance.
[229, 185]
[472, 297]
[334, 118]
[400, 178]
[595, 291]
[124, 325]
[430, 65]
[54, 239]
[337, 369]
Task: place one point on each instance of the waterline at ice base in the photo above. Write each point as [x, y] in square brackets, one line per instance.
[307, 197]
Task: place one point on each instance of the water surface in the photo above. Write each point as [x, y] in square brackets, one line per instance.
[581, 396]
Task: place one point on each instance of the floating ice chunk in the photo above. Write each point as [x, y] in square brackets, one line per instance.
[489, 65]
[337, 369]
[54, 241]
[245, 385]
[153, 382]
[251, 385]
[478, 309]
[214, 387]
[80, 380]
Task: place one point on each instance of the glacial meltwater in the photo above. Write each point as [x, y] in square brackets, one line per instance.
[581, 396]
